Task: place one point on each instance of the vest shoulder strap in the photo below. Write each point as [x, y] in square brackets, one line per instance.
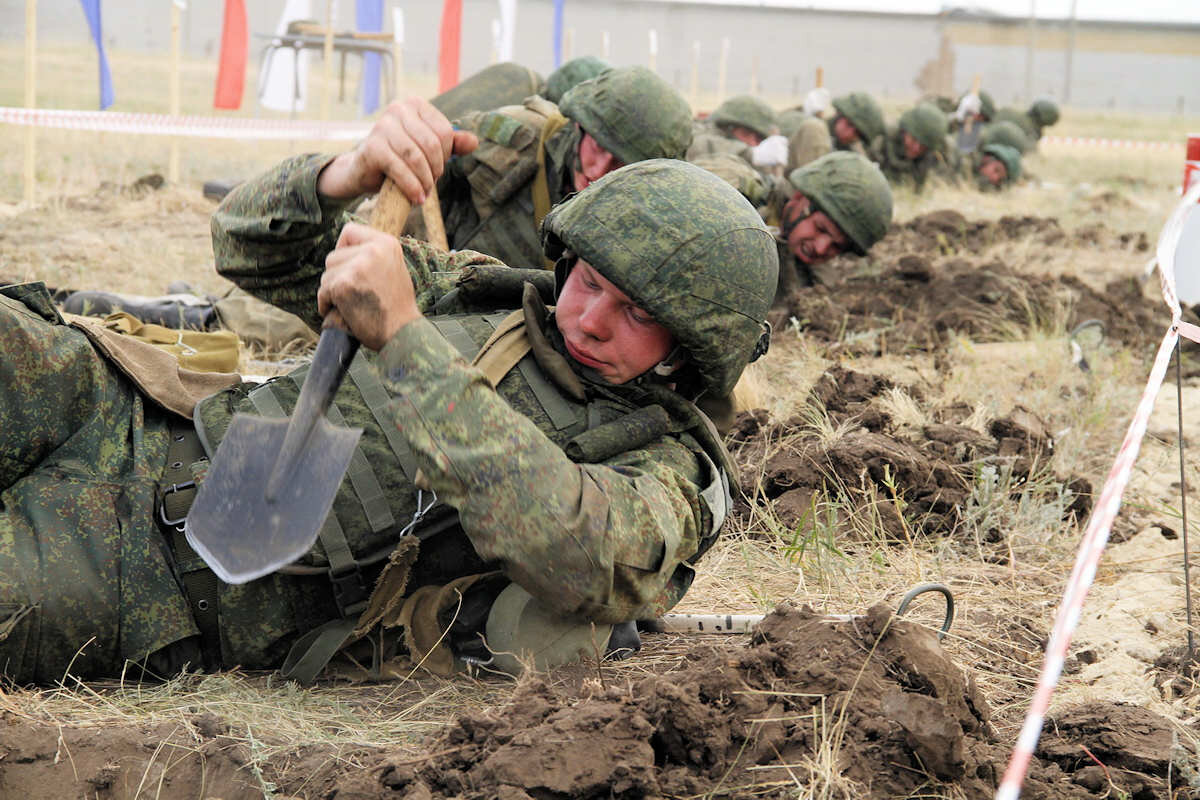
[507, 345]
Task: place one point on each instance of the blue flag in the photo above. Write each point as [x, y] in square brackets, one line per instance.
[558, 33]
[369, 19]
[91, 8]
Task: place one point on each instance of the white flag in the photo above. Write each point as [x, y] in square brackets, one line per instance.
[283, 83]
[508, 29]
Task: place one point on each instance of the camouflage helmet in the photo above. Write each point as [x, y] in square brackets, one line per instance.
[1009, 156]
[863, 112]
[927, 124]
[1007, 133]
[747, 111]
[687, 249]
[852, 192]
[987, 106]
[632, 113]
[572, 73]
[1044, 112]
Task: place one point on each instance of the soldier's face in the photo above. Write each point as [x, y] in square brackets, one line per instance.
[845, 131]
[814, 237]
[745, 135]
[594, 162]
[993, 170]
[912, 148]
[604, 330]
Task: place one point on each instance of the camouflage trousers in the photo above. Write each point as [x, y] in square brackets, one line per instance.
[85, 580]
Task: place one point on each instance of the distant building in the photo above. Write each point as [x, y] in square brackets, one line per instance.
[1134, 66]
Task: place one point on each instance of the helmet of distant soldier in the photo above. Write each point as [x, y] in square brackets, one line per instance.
[573, 73]
[1007, 133]
[852, 192]
[927, 124]
[863, 112]
[747, 111]
[687, 249]
[1044, 112]
[1009, 156]
[632, 113]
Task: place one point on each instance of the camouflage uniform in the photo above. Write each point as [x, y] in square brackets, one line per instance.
[492, 87]
[852, 192]
[711, 137]
[605, 534]
[928, 125]
[492, 198]
[865, 115]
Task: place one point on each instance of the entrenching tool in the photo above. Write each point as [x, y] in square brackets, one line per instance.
[273, 481]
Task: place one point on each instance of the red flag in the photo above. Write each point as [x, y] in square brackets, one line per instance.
[231, 73]
[448, 47]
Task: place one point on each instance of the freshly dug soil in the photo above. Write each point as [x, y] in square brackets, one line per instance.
[934, 283]
[914, 484]
[873, 707]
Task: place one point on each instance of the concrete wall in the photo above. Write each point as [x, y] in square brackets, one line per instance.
[1151, 68]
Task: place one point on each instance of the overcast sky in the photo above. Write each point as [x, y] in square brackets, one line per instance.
[1150, 10]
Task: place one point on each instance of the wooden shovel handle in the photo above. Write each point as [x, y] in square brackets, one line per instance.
[391, 209]
[435, 228]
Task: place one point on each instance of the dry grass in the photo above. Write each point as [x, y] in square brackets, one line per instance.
[103, 241]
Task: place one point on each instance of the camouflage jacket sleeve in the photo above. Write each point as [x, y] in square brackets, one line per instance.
[596, 541]
[271, 235]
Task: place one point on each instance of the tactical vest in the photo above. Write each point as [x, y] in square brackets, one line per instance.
[494, 199]
[379, 502]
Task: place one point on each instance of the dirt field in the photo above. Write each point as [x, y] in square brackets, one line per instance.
[922, 419]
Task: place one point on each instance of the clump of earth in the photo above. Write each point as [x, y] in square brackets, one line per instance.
[912, 482]
[935, 281]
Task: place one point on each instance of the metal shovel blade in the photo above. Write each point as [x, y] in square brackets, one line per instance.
[240, 532]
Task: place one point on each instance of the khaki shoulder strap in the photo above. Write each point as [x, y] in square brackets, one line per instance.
[155, 371]
[507, 345]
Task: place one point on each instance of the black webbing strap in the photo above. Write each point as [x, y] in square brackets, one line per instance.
[177, 490]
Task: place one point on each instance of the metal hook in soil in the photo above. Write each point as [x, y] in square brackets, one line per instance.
[921, 589]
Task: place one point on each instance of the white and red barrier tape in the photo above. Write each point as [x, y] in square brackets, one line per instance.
[168, 125]
[1112, 144]
[1095, 537]
[251, 128]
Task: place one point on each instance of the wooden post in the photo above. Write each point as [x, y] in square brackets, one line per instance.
[173, 162]
[328, 55]
[30, 95]
[653, 50]
[820, 79]
[694, 88]
[722, 69]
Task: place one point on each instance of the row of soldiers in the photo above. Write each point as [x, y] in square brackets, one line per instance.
[968, 140]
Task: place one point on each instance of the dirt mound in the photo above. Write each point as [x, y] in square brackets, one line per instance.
[867, 708]
[931, 286]
[902, 483]
[871, 708]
